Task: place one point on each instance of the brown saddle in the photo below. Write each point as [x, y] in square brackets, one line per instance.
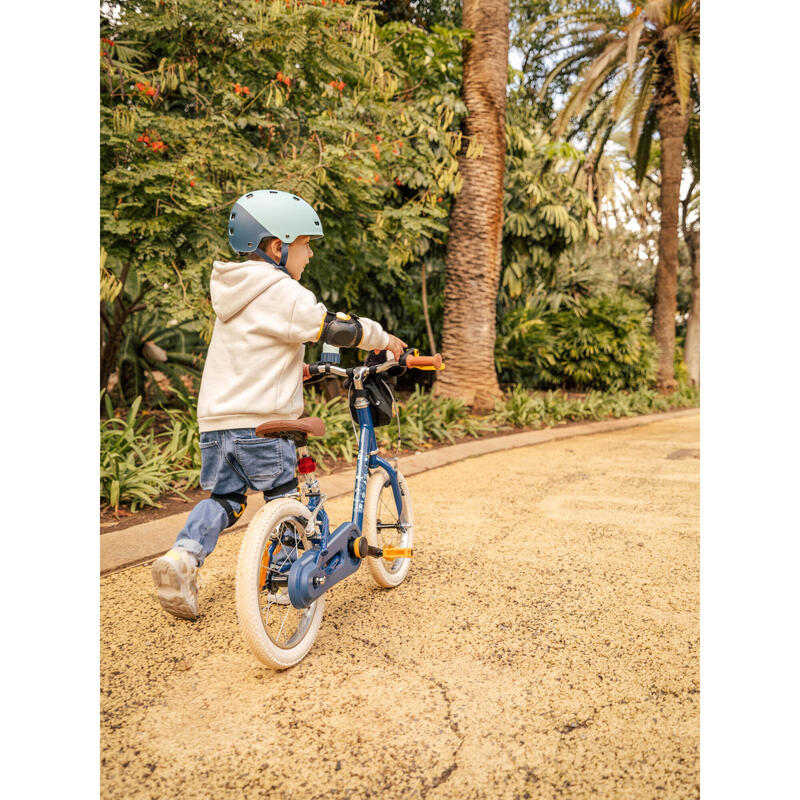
[295, 429]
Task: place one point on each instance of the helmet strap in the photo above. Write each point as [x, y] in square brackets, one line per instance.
[284, 257]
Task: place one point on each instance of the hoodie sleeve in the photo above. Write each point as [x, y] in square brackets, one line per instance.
[307, 317]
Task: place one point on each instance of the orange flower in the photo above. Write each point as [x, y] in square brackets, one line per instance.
[191, 183]
[376, 178]
[379, 138]
[341, 85]
[245, 90]
[376, 151]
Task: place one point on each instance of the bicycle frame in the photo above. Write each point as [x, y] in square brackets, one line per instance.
[368, 460]
[330, 561]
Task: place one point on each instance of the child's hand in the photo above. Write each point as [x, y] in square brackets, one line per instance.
[396, 347]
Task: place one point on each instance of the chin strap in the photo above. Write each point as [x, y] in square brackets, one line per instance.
[284, 257]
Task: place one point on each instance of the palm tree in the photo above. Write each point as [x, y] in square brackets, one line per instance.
[475, 236]
[650, 60]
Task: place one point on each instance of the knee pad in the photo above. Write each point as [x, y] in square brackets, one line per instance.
[341, 330]
[223, 500]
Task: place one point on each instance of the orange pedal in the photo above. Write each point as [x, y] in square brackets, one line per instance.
[391, 553]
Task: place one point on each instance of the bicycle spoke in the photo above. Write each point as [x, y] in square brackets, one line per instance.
[280, 630]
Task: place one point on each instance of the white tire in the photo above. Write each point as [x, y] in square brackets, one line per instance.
[278, 634]
[380, 509]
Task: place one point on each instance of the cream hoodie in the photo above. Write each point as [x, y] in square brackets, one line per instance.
[254, 367]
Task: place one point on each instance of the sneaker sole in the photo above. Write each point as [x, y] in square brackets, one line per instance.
[172, 592]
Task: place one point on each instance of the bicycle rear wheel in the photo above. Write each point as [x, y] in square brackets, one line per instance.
[384, 526]
[278, 634]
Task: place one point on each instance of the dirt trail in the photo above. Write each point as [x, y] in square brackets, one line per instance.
[545, 644]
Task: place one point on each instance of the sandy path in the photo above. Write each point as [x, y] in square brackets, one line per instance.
[545, 644]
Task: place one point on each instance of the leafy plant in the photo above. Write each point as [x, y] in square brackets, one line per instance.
[137, 465]
[197, 106]
[602, 343]
[522, 408]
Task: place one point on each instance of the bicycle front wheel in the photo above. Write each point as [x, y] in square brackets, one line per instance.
[278, 634]
[384, 526]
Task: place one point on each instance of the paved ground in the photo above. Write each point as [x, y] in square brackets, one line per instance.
[545, 644]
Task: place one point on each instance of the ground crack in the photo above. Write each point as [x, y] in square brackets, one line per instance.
[450, 768]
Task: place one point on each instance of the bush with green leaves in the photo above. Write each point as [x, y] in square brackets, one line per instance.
[138, 465]
[603, 342]
[201, 101]
[521, 408]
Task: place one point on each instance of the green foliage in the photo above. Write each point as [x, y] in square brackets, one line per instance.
[201, 101]
[627, 63]
[544, 215]
[146, 340]
[137, 465]
[423, 419]
[521, 408]
[603, 343]
[339, 442]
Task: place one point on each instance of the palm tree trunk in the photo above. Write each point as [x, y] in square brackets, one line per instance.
[472, 271]
[672, 125]
[692, 354]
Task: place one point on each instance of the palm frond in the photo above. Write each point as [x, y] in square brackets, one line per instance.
[642, 157]
[633, 37]
[644, 101]
[680, 59]
[597, 74]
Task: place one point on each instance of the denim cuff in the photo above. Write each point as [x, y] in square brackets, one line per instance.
[193, 547]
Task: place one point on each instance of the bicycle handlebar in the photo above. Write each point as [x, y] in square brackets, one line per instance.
[407, 360]
[421, 362]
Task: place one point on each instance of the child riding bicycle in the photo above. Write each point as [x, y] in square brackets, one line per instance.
[253, 374]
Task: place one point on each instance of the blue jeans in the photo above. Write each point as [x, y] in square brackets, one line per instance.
[233, 461]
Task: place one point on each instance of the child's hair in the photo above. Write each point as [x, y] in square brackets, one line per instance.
[262, 245]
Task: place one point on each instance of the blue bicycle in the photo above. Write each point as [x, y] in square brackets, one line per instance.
[289, 557]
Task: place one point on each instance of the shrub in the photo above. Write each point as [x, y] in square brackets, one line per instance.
[137, 465]
[602, 343]
[521, 408]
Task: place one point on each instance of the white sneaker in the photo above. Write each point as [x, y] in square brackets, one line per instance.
[175, 577]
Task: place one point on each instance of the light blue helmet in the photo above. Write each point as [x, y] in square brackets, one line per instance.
[268, 212]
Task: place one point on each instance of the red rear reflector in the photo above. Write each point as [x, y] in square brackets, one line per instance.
[306, 464]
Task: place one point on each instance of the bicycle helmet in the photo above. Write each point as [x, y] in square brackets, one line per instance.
[268, 212]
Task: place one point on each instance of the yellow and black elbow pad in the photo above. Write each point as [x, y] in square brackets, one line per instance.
[341, 330]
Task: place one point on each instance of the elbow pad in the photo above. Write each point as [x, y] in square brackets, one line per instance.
[341, 330]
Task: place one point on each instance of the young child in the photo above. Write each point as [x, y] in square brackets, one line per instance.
[253, 374]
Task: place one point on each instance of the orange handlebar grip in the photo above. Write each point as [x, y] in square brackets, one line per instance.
[425, 361]
[306, 372]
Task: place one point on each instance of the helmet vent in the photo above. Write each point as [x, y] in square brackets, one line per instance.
[231, 231]
[233, 215]
[272, 191]
[249, 195]
[249, 244]
[296, 198]
[316, 222]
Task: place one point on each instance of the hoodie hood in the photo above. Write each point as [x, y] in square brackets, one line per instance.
[236, 284]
